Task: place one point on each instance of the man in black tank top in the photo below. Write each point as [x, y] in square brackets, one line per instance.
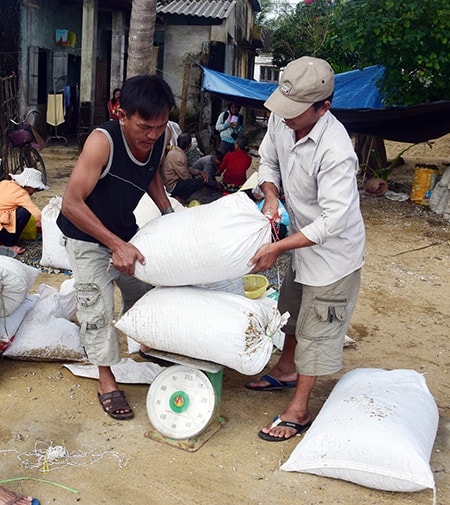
[118, 164]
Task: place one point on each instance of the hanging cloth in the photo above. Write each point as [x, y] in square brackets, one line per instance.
[55, 109]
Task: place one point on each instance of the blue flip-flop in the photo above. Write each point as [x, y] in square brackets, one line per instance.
[274, 384]
[277, 421]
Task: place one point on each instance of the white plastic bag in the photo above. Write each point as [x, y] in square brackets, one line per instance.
[204, 244]
[16, 279]
[201, 323]
[53, 252]
[376, 429]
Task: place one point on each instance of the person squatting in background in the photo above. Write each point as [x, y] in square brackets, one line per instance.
[210, 165]
[234, 166]
[16, 206]
[179, 178]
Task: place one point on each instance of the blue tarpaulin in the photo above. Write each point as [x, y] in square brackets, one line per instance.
[356, 103]
[353, 90]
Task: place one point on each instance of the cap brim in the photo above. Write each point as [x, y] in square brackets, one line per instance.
[285, 107]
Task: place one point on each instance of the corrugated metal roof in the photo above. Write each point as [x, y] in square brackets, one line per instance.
[217, 9]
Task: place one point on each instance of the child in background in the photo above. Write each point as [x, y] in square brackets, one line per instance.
[283, 225]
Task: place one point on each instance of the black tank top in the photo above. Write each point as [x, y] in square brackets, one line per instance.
[119, 188]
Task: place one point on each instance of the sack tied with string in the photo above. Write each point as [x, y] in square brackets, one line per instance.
[204, 244]
[201, 323]
[16, 279]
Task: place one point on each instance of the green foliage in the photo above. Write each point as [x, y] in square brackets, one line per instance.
[272, 13]
[410, 38]
[303, 32]
[310, 31]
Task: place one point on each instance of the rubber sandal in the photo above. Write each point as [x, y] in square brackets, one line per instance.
[277, 421]
[274, 384]
[113, 402]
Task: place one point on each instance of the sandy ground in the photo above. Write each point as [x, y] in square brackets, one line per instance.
[401, 321]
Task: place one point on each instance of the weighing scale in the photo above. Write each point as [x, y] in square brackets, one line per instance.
[183, 401]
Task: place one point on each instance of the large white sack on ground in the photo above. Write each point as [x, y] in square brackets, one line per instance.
[16, 279]
[46, 334]
[147, 210]
[53, 252]
[204, 244]
[56, 340]
[10, 324]
[376, 429]
[201, 323]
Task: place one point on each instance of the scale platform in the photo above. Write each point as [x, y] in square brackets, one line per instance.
[183, 401]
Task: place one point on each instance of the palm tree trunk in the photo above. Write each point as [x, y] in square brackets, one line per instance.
[140, 39]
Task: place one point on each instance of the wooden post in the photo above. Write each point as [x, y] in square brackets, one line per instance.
[184, 92]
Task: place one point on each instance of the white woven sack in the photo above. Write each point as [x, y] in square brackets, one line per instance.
[56, 340]
[53, 252]
[216, 326]
[10, 324]
[16, 279]
[376, 429]
[146, 210]
[235, 286]
[56, 304]
[45, 332]
[204, 244]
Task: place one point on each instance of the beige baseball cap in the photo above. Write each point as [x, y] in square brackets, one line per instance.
[303, 82]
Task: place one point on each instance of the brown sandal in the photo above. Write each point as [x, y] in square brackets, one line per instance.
[115, 402]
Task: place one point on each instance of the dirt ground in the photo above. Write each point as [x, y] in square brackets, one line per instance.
[401, 321]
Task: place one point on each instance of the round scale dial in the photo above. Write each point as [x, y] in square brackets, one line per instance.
[180, 402]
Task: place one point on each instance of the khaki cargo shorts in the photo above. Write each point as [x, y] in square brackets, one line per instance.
[319, 319]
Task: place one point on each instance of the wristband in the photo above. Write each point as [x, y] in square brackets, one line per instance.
[169, 210]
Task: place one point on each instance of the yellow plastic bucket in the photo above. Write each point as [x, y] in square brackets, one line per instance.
[255, 285]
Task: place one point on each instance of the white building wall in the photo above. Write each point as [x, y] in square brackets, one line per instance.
[262, 60]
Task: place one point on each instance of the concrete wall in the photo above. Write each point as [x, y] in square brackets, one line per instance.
[179, 42]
